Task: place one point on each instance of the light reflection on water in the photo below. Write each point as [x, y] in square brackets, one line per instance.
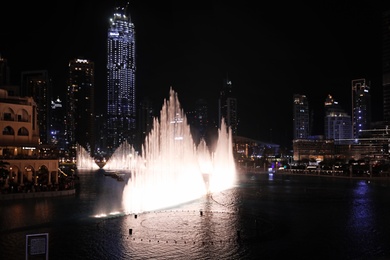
[362, 220]
[264, 217]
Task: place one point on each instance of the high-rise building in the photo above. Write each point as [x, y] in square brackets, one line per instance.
[301, 117]
[198, 119]
[121, 66]
[201, 116]
[337, 122]
[227, 107]
[386, 65]
[100, 134]
[80, 104]
[57, 125]
[361, 107]
[37, 84]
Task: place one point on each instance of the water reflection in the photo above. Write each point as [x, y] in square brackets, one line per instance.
[361, 208]
[362, 223]
[305, 217]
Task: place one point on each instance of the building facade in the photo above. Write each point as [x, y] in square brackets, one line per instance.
[227, 107]
[337, 122]
[361, 107]
[80, 119]
[200, 117]
[121, 67]
[313, 149]
[37, 84]
[58, 124]
[19, 144]
[19, 119]
[301, 117]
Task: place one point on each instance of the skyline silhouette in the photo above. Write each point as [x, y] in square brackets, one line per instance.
[268, 52]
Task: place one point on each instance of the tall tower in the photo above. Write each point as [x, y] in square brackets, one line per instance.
[361, 107]
[198, 119]
[57, 125]
[201, 116]
[386, 65]
[121, 104]
[337, 122]
[301, 117]
[37, 84]
[227, 107]
[80, 104]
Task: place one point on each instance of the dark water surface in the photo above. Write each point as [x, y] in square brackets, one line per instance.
[263, 217]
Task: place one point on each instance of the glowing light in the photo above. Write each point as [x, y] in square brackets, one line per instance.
[84, 159]
[101, 215]
[169, 173]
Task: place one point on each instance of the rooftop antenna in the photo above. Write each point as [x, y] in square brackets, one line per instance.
[126, 6]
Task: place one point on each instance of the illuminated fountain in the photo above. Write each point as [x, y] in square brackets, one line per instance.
[124, 158]
[84, 160]
[170, 171]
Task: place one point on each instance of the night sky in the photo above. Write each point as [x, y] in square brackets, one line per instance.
[268, 51]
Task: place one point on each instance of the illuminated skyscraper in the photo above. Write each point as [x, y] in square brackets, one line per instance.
[121, 103]
[361, 107]
[301, 117]
[337, 122]
[201, 116]
[58, 124]
[198, 119]
[80, 104]
[38, 85]
[228, 106]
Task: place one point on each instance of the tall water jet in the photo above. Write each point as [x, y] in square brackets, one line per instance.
[84, 160]
[170, 169]
[223, 174]
[124, 158]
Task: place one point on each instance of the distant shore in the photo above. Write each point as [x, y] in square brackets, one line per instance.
[327, 174]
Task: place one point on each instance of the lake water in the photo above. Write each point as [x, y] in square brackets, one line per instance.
[264, 216]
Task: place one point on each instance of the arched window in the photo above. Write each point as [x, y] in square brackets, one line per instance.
[8, 131]
[23, 116]
[23, 131]
[8, 115]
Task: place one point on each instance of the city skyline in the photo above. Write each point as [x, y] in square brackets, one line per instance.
[269, 53]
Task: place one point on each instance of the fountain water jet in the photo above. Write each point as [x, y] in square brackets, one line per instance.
[170, 169]
[84, 160]
[124, 158]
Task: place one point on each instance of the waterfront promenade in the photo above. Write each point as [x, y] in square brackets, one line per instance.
[71, 189]
[39, 194]
[67, 186]
[321, 173]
